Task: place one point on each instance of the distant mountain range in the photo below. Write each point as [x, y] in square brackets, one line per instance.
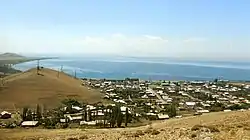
[10, 56]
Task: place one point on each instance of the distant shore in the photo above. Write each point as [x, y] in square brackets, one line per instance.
[23, 60]
[6, 64]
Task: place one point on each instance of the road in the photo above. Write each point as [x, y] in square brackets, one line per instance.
[157, 95]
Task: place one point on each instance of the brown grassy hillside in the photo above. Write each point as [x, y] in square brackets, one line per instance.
[213, 126]
[30, 89]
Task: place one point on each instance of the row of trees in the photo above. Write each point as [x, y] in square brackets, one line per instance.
[239, 106]
[112, 114]
[220, 107]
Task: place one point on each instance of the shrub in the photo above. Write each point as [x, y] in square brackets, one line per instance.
[138, 133]
[62, 125]
[213, 129]
[83, 137]
[193, 135]
[171, 110]
[200, 127]
[196, 127]
[70, 102]
[50, 127]
[155, 132]
[10, 125]
[72, 138]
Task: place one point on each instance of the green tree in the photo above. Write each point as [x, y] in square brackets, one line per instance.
[105, 118]
[89, 115]
[113, 116]
[210, 97]
[171, 110]
[24, 114]
[85, 114]
[29, 116]
[216, 80]
[119, 116]
[109, 109]
[217, 107]
[126, 117]
[38, 112]
[71, 102]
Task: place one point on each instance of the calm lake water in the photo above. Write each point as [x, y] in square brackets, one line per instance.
[154, 69]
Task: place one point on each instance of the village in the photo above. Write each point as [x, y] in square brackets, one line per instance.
[156, 98]
[134, 102]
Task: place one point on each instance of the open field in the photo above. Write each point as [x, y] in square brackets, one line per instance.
[29, 88]
[217, 126]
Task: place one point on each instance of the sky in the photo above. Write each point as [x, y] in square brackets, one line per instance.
[208, 29]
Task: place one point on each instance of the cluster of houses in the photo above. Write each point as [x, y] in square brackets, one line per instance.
[89, 115]
[189, 97]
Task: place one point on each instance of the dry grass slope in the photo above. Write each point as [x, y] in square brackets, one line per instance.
[214, 126]
[30, 89]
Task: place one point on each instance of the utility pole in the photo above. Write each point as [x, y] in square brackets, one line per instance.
[14, 106]
[38, 67]
[75, 73]
[61, 68]
[58, 73]
[2, 82]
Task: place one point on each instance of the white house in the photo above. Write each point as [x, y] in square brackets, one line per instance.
[184, 94]
[162, 116]
[144, 96]
[87, 123]
[190, 103]
[203, 111]
[123, 110]
[5, 115]
[150, 114]
[178, 116]
[77, 108]
[72, 117]
[29, 123]
[90, 107]
[164, 97]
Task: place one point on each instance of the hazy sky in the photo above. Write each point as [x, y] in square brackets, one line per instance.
[170, 28]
